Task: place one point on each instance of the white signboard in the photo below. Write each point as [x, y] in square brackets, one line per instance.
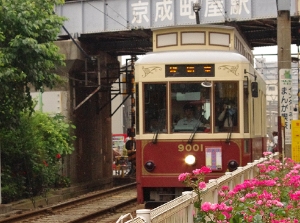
[285, 101]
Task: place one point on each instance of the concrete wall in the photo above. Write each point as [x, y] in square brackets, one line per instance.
[90, 112]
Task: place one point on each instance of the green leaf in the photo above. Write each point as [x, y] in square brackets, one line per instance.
[28, 54]
[257, 219]
[197, 204]
[236, 218]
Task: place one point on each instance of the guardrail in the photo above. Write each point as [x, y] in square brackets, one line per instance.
[181, 208]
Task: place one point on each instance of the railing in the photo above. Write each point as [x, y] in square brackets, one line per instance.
[180, 210]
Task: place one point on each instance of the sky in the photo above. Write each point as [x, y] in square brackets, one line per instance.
[266, 52]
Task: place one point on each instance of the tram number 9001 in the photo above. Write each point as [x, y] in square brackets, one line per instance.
[189, 147]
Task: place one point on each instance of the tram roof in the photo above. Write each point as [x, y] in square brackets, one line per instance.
[192, 57]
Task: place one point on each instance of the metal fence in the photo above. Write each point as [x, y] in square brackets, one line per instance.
[180, 210]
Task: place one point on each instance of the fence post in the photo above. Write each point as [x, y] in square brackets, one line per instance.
[144, 214]
[242, 174]
[229, 174]
[254, 168]
[216, 195]
[190, 208]
[250, 171]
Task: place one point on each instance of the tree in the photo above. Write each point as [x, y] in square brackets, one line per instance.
[28, 55]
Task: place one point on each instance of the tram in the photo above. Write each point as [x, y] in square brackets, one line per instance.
[200, 102]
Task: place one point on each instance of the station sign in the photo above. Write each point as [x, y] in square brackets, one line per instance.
[285, 101]
[113, 15]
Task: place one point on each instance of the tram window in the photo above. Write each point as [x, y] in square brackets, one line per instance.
[226, 104]
[246, 146]
[190, 103]
[155, 108]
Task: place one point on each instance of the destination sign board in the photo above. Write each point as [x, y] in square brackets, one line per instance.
[191, 70]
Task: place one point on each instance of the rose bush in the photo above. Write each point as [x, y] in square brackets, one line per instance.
[273, 196]
[32, 156]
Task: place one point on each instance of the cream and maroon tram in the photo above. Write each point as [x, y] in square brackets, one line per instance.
[200, 102]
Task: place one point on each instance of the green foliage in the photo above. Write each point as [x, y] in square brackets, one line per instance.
[28, 55]
[13, 186]
[32, 155]
[237, 218]
[200, 216]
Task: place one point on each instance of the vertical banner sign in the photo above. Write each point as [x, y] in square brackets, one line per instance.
[285, 101]
[296, 140]
[213, 158]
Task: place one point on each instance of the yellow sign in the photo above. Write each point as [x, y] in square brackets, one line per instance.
[282, 121]
[296, 140]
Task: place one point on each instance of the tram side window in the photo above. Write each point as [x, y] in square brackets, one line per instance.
[190, 103]
[226, 104]
[155, 108]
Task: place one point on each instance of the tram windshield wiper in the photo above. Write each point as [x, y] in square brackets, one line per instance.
[230, 131]
[229, 136]
[196, 128]
[193, 133]
[154, 139]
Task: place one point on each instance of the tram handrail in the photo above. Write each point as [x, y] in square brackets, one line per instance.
[181, 208]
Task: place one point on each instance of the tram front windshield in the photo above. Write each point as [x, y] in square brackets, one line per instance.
[191, 107]
[190, 103]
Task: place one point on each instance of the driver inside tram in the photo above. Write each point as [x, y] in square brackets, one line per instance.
[189, 122]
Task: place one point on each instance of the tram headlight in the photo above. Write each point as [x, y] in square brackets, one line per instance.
[232, 165]
[149, 166]
[190, 160]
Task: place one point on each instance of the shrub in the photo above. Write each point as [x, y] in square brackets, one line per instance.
[273, 196]
[32, 155]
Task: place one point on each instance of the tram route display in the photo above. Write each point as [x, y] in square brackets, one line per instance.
[193, 70]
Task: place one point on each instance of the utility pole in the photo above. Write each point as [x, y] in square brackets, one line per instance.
[284, 63]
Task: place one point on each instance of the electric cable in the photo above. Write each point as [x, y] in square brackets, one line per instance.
[223, 12]
[117, 13]
[107, 15]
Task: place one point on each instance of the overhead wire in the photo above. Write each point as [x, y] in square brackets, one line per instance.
[266, 77]
[117, 13]
[106, 14]
[264, 65]
[223, 12]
